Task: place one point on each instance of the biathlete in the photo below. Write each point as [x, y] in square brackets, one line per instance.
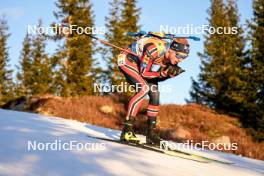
[156, 61]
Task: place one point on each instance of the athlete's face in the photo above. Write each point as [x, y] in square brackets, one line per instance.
[176, 57]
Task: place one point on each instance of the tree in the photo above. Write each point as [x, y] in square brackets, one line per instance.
[219, 83]
[40, 69]
[208, 88]
[59, 68]
[235, 56]
[254, 67]
[129, 19]
[231, 80]
[6, 83]
[78, 72]
[115, 34]
[123, 18]
[24, 76]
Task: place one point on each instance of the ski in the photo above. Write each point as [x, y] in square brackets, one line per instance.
[156, 149]
[199, 156]
[170, 152]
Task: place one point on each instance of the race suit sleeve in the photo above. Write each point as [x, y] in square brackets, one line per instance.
[150, 53]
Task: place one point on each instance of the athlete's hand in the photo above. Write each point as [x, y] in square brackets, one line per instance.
[164, 72]
[174, 70]
[171, 71]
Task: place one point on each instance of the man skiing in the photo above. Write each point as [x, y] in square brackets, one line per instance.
[156, 61]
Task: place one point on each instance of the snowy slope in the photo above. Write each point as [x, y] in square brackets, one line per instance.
[17, 128]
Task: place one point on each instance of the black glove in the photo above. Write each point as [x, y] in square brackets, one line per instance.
[174, 70]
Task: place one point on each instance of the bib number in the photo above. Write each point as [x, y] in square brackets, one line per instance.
[121, 59]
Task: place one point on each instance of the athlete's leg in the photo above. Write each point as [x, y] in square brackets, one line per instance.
[130, 71]
[153, 107]
[152, 113]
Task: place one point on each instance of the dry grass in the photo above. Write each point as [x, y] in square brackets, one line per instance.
[204, 124]
[85, 109]
[193, 121]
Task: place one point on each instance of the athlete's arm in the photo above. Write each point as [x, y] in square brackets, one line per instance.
[150, 53]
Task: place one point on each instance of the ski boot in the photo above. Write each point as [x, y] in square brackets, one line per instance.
[152, 137]
[128, 134]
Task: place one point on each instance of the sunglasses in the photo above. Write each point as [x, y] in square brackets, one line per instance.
[181, 55]
[179, 47]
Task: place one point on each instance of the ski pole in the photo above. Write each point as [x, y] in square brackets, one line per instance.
[106, 42]
[110, 44]
[169, 36]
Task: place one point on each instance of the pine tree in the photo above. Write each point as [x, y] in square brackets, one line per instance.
[129, 19]
[6, 83]
[207, 90]
[24, 76]
[123, 18]
[235, 58]
[254, 67]
[79, 72]
[41, 73]
[59, 68]
[114, 35]
[219, 83]
[258, 50]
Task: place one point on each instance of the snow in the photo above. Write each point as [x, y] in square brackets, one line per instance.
[103, 158]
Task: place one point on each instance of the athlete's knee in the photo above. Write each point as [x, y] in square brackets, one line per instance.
[135, 103]
[142, 87]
